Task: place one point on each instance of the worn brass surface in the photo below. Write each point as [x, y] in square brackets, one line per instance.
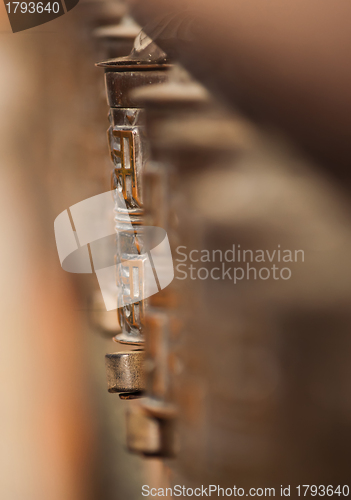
[129, 153]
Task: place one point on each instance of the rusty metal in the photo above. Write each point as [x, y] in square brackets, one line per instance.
[148, 435]
[125, 371]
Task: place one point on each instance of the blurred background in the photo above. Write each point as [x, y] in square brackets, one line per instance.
[62, 434]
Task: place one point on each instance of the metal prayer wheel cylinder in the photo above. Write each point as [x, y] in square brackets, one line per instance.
[162, 102]
[157, 363]
[125, 371]
[129, 154]
[156, 412]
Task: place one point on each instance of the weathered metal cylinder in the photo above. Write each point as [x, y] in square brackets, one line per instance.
[125, 371]
[164, 102]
